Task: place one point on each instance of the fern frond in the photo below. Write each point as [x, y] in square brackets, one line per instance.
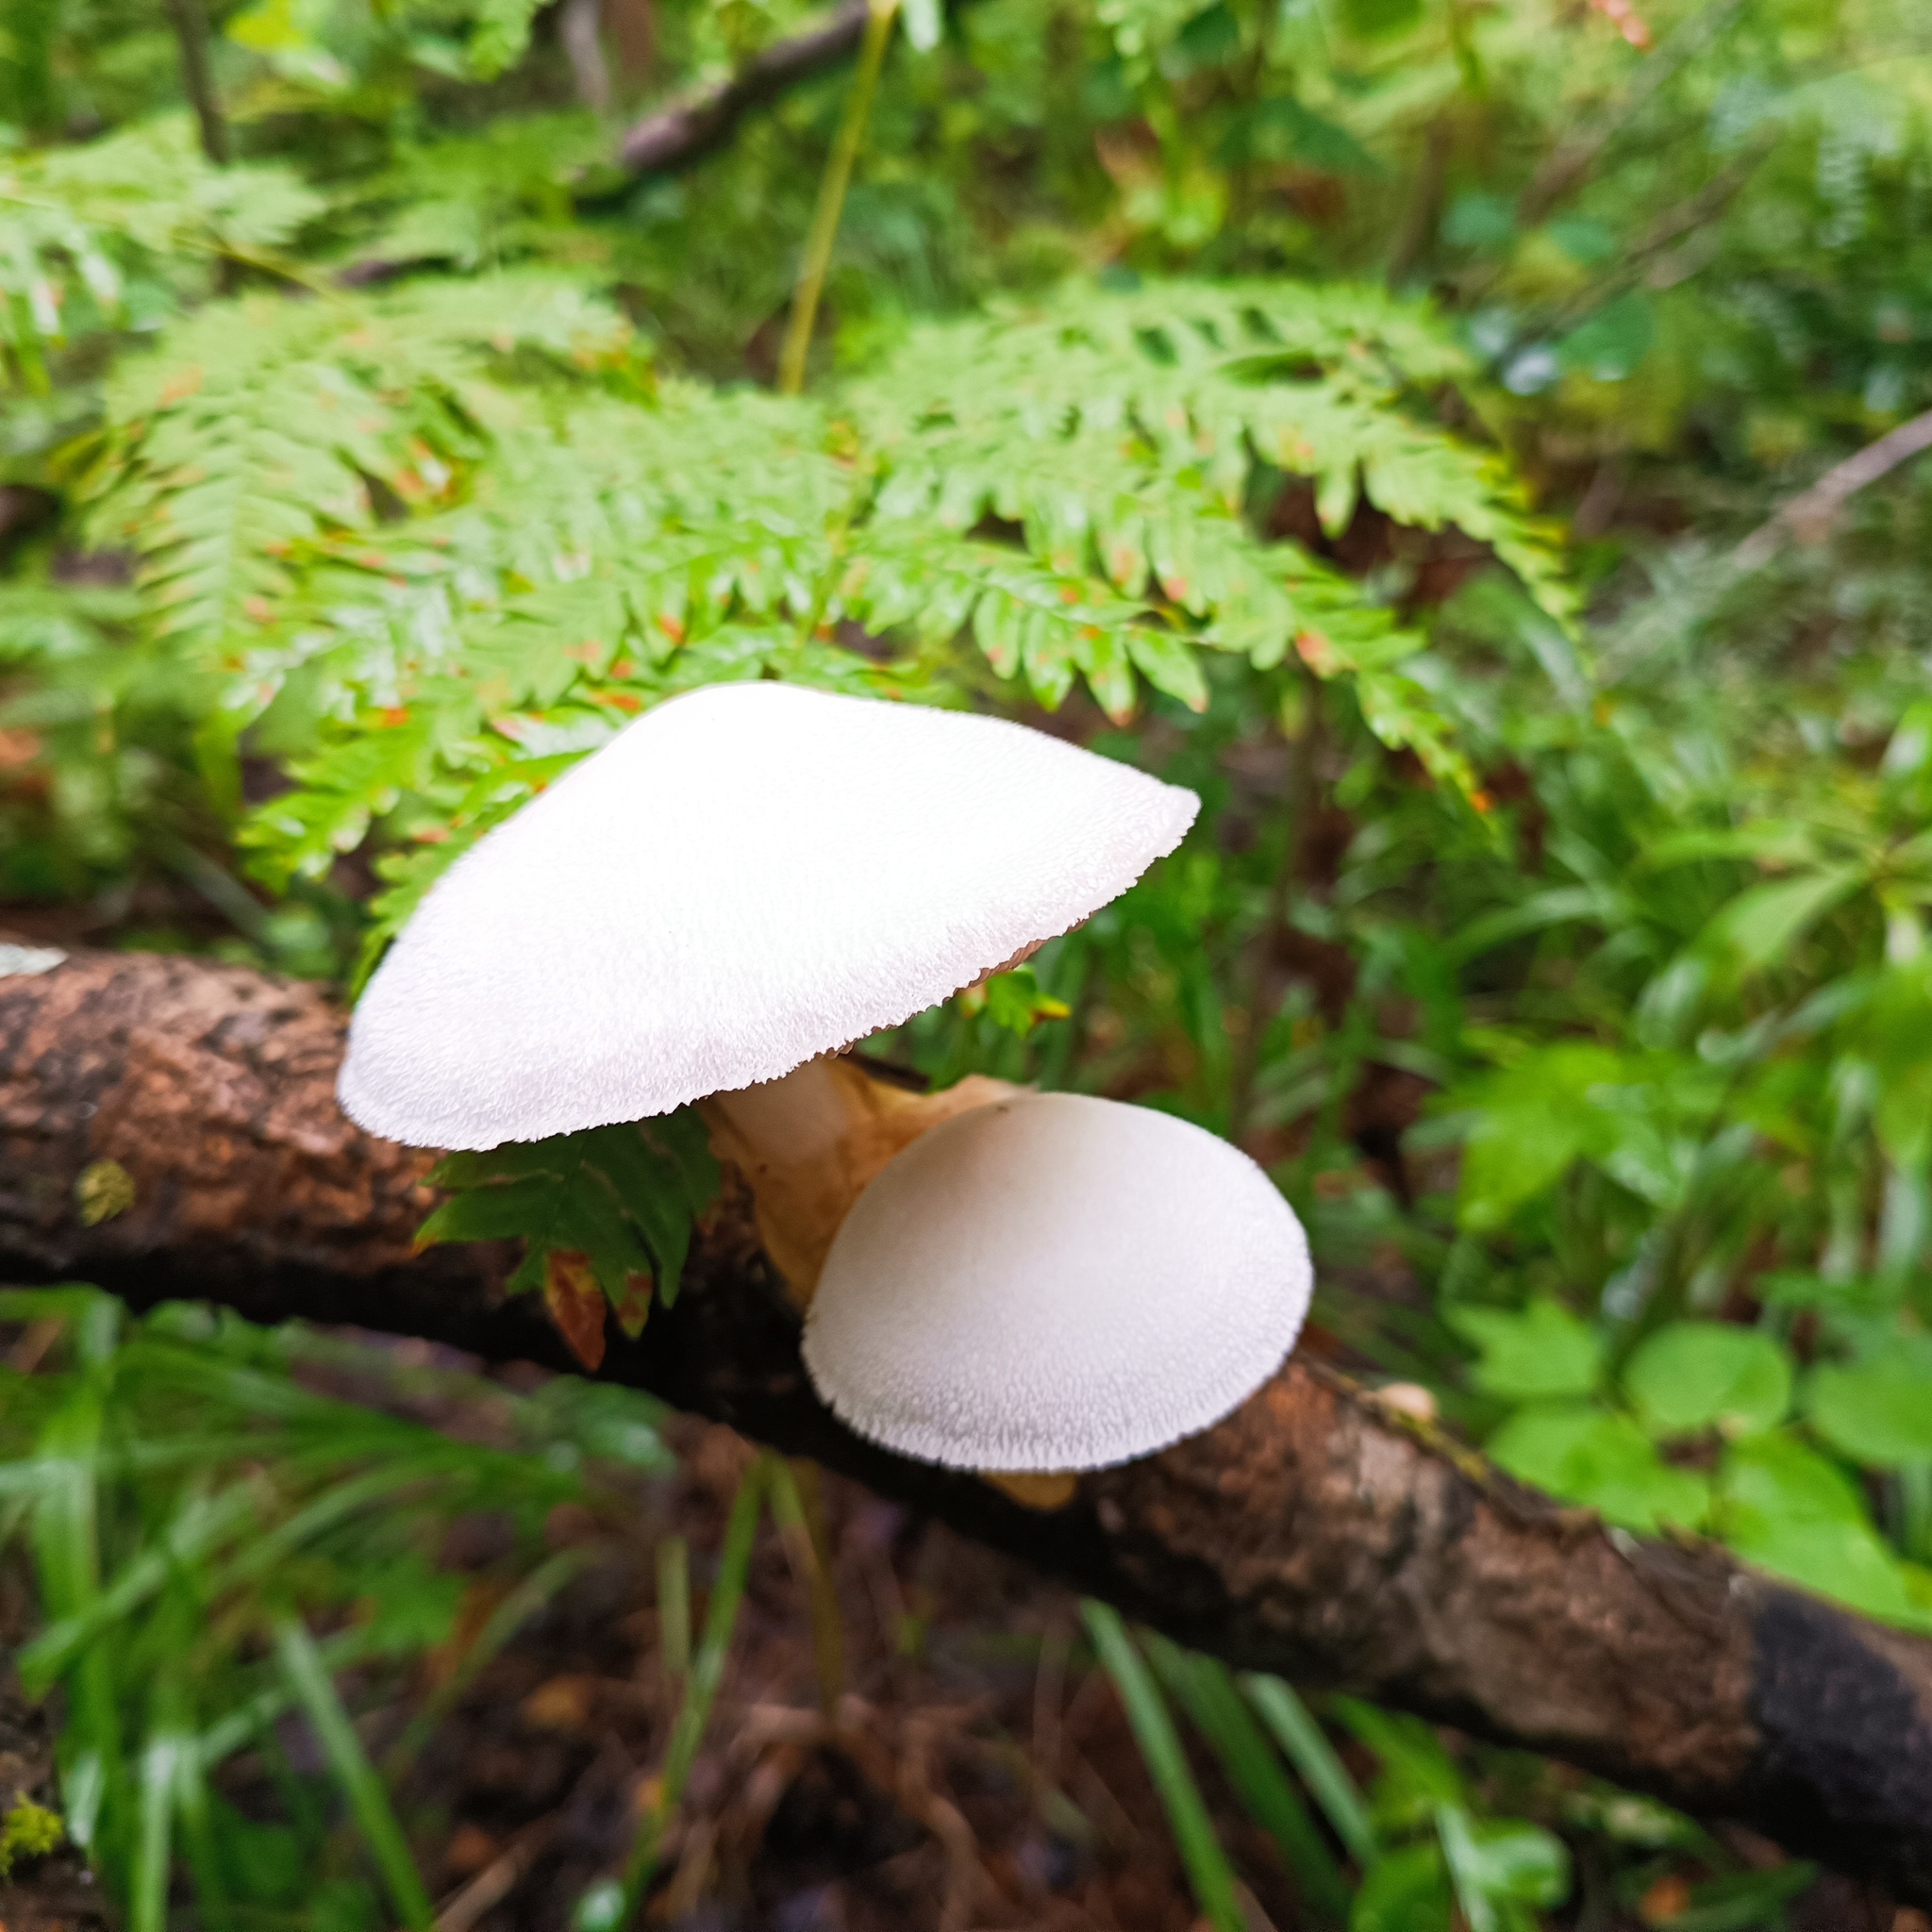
[501, 193]
[1066, 494]
[76, 221]
[1192, 385]
[263, 427]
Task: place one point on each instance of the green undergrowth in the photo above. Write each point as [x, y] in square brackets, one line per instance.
[1556, 930]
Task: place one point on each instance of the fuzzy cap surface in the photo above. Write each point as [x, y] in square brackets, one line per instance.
[1056, 1282]
[749, 875]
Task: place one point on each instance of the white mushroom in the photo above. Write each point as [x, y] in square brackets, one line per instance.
[1053, 1282]
[748, 877]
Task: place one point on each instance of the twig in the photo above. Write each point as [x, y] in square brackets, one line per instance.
[1425, 211]
[965, 1873]
[497, 1879]
[1808, 516]
[1682, 218]
[798, 1507]
[30, 1350]
[1567, 166]
[1282, 1538]
[1685, 217]
[674, 136]
[580, 29]
[191, 35]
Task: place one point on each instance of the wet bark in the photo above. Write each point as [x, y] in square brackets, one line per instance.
[1311, 1533]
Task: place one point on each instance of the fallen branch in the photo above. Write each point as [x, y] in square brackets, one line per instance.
[1809, 515]
[687, 129]
[1312, 1533]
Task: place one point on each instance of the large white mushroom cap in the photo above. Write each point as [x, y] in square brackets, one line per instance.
[748, 877]
[1056, 1282]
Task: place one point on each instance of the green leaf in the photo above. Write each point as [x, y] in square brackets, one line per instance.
[1765, 923]
[1611, 345]
[1373, 18]
[624, 1196]
[1417, 1774]
[1695, 1375]
[1877, 1412]
[1497, 1864]
[1532, 1121]
[1015, 1001]
[1743, 1901]
[1790, 1510]
[1542, 1351]
[1405, 1891]
[1594, 1456]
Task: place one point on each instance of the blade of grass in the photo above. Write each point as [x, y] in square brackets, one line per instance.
[174, 1792]
[262, 1557]
[368, 1798]
[707, 1673]
[68, 1568]
[1301, 1738]
[251, 1719]
[508, 1617]
[1205, 1689]
[199, 1526]
[147, 1901]
[673, 1611]
[1209, 1871]
[799, 1510]
[195, 1814]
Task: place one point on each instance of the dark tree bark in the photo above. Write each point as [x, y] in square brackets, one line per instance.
[1311, 1533]
[689, 128]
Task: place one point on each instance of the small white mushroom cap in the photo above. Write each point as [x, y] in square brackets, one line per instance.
[746, 877]
[1056, 1282]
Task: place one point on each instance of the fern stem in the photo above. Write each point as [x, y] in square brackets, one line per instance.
[190, 34]
[831, 205]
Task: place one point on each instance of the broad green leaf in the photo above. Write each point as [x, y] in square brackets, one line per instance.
[1532, 1121]
[1417, 1774]
[1708, 1375]
[1762, 925]
[1405, 1891]
[1609, 346]
[1787, 1509]
[1877, 1412]
[1594, 1456]
[1373, 19]
[1500, 1865]
[1544, 1350]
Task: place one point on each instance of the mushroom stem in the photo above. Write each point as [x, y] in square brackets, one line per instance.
[811, 1142]
[799, 1117]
